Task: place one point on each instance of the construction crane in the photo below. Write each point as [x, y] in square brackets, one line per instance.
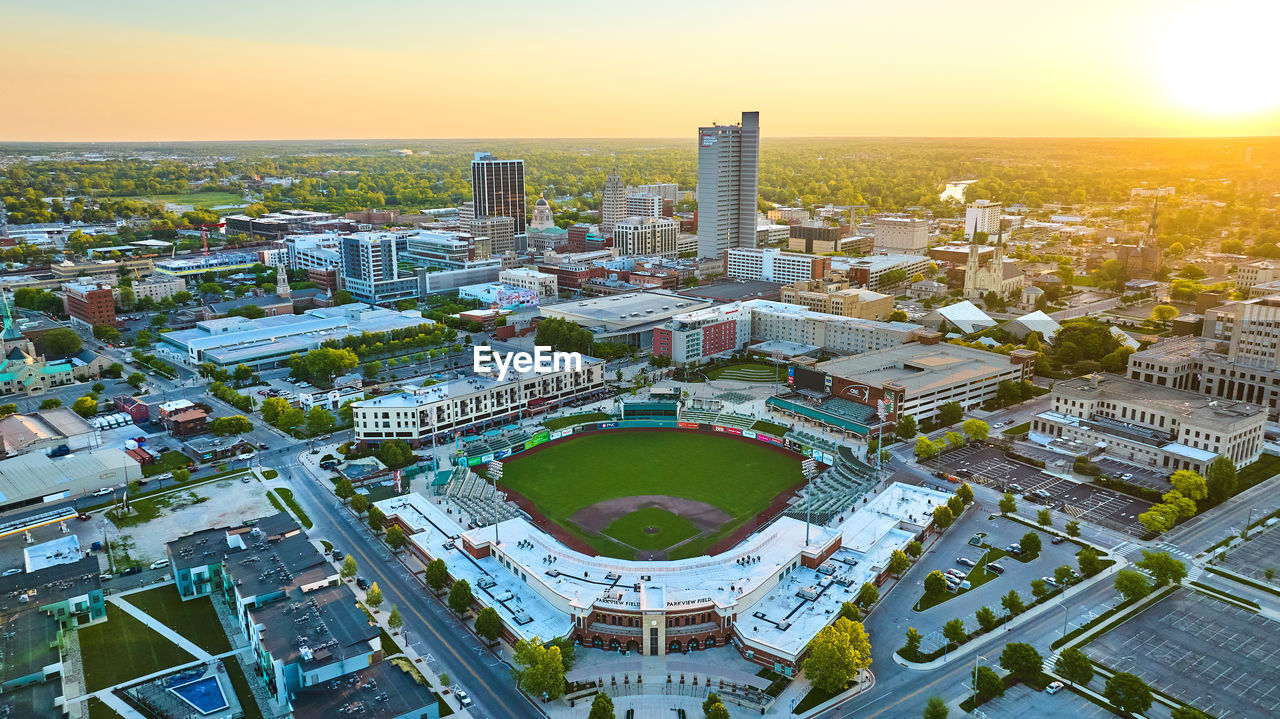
[204, 234]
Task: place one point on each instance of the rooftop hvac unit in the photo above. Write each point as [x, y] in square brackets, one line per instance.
[486, 582]
[810, 593]
[522, 617]
[827, 568]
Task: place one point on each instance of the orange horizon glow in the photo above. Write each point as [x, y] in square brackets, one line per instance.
[396, 69]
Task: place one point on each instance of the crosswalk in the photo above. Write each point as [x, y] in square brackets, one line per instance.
[1174, 550]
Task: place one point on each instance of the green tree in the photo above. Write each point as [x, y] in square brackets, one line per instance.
[319, 421]
[868, 594]
[273, 408]
[394, 620]
[181, 475]
[925, 448]
[53, 403]
[539, 667]
[1012, 603]
[235, 424]
[711, 700]
[1008, 505]
[942, 517]
[325, 363]
[915, 549]
[60, 342]
[436, 574]
[1128, 693]
[602, 707]
[950, 413]
[986, 618]
[1044, 518]
[349, 568]
[106, 333]
[936, 708]
[489, 624]
[343, 489]
[1178, 506]
[898, 316]
[460, 598]
[134, 380]
[987, 684]
[1090, 563]
[912, 647]
[906, 428]
[376, 519]
[954, 631]
[1164, 569]
[953, 440]
[1131, 584]
[342, 297]
[242, 373]
[1039, 588]
[836, 655]
[1164, 313]
[395, 538]
[956, 505]
[1063, 575]
[1074, 666]
[1158, 519]
[965, 493]
[1022, 661]
[85, 407]
[1073, 529]
[1186, 712]
[1220, 480]
[1190, 484]
[975, 429]
[898, 562]
[373, 597]
[359, 503]
[394, 453]
[935, 582]
[1030, 543]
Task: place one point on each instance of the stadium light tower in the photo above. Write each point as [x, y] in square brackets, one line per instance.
[495, 472]
[809, 468]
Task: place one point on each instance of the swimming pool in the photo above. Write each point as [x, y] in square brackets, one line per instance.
[203, 694]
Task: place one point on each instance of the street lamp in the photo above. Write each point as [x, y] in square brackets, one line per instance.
[974, 677]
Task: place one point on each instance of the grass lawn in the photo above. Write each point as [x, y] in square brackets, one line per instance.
[99, 710]
[241, 684]
[814, 698]
[287, 495]
[123, 648]
[558, 422]
[772, 428]
[1267, 466]
[749, 372]
[145, 510]
[739, 477]
[194, 619]
[169, 461]
[199, 199]
[671, 528]
[1018, 428]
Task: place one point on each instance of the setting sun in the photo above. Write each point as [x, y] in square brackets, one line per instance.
[1222, 59]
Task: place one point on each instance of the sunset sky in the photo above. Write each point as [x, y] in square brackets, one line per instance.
[145, 70]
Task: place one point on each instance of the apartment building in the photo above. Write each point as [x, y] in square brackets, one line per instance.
[417, 413]
[772, 235]
[982, 216]
[773, 265]
[371, 267]
[646, 235]
[158, 287]
[1162, 427]
[901, 235]
[834, 297]
[870, 271]
[1256, 273]
[643, 205]
[89, 304]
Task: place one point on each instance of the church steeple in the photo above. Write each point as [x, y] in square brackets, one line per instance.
[282, 282]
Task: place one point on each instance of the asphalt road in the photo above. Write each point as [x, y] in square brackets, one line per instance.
[433, 629]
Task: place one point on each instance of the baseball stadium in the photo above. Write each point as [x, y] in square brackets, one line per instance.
[662, 533]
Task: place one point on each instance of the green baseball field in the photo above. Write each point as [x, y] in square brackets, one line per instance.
[651, 495]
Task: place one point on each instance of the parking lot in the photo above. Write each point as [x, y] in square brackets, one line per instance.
[1219, 658]
[1022, 701]
[1142, 475]
[988, 466]
[1256, 556]
[1017, 575]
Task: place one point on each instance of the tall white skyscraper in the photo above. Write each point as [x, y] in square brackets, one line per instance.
[728, 183]
[613, 206]
[982, 216]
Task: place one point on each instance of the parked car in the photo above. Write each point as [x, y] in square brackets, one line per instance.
[61, 450]
[130, 571]
[1126, 476]
[1050, 581]
[262, 445]
[966, 562]
[105, 577]
[1015, 487]
[103, 492]
[11, 572]
[1053, 687]
[362, 583]
[463, 698]
[954, 573]
[160, 564]
[1043, 494]
[1057, 539]
[338, 555]
[1014, 549]
[992, 566]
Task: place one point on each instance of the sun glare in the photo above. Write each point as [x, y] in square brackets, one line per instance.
[1223, 58]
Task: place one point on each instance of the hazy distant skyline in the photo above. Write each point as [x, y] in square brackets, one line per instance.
[149, 70]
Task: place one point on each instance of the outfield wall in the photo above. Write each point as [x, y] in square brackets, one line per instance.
[543, 436]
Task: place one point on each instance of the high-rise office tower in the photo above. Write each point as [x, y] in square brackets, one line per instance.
[982, 216]
[613, 206]
[497, 188]
[728, 182]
